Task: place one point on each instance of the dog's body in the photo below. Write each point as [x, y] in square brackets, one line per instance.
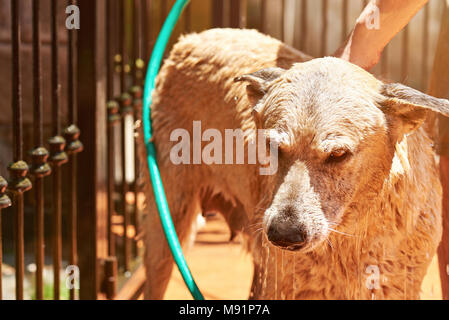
[383, 202]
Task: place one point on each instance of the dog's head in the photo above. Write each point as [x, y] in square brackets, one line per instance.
[337, 127]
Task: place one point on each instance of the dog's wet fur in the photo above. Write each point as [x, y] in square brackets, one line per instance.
[357, 183]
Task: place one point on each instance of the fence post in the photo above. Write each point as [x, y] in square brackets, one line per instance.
[92, 200]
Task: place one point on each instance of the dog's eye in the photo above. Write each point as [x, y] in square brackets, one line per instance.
[338, 155]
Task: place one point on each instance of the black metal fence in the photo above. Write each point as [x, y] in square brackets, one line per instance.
[77, 155]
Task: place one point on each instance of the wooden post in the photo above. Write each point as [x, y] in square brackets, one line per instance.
[91, 97]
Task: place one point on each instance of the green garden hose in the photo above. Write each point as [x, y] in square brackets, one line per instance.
[158, 188]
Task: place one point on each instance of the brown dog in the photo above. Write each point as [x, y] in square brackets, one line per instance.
[353, 208]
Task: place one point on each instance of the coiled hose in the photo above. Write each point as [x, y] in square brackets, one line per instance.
[158, 188]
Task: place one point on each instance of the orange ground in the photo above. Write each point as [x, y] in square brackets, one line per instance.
[222, 270]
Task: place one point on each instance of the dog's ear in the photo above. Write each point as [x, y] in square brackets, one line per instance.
[408, 107]
[258, 82]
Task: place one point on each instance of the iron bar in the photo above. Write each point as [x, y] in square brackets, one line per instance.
[113, 118]
[5, 202]
[237, 13]
[136, 93]
[217, 13]
[109, 50]
[138, 62]
[110, 277]
[16, 82]
[125, 110]
[136, 44]
[146, 32]
[162, 12]
[40, 168]
[73, 147]
[125, 104]
[19, 183]
[57, 144]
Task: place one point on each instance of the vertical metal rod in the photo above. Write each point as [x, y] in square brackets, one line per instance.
[218, 13]
[113, 117]
[16, 82]
[235, 12]
[18, 170]
[37, 76]
[122, 44]
[71, 73]
[110, 275]
[1, 256]
[73, 147]
[73, 225]
[109, 51]
[125, 104]
[56, 89]
[39, 226]
[136, 39]
[39, 154]
[18, 141]
[57, 142]
[162, 12]
[39, 223]
[324, 27]
[146, 11]
[243, 13]
[19, 241]
[136, 93]
[138, 76]
[4, 203]
[56, 242]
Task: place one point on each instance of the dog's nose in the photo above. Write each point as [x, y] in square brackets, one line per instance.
[288, 238]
